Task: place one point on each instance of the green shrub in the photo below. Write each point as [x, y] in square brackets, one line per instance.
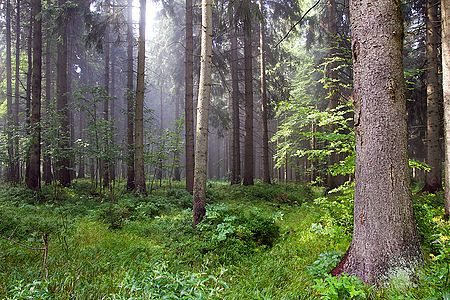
[325, 263]
[340, 288]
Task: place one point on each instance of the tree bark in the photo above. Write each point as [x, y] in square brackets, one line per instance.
[248, 146]
[201, 149]
[434, 156]
[139, 109]
[34, 172]
[9, 104]
[189, 98]
[236, 143]
[130, 99]
[385, 239]
[28, 90]
[105, 163]
[445, 13]
[264, 111]
[47, 160]
[16, 150]
[63, 161]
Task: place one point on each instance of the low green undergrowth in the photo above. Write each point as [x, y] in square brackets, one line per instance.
[259, 242]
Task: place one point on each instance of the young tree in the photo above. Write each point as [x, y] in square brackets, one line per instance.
[445, 13]
[384, 235]
[201, 148]
[248, 66]
[263, 92]
[139, 109]
[189, 98]
[434, 178]
[63, 160]
[130, 98]
[34, 173]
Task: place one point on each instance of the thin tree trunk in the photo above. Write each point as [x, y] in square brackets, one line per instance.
[16, 150]
[139, 110]
[34, 173]
[130, 99]
[47, 160]
[445, 13]
[105, 163]
[236, 143]
[385, 238]
[189, 98]
[63, 161]
[249, 168]
[9, 103]
[201, 149]
[434, 156]
[176, 155]
[28, 92]
[264, 112]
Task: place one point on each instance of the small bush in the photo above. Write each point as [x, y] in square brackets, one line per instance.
[340, 288]
[325, 263]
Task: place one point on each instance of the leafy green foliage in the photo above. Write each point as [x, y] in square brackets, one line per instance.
[340, 288]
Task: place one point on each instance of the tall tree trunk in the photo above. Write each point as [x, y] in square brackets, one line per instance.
[16, 150]
[434, 157]
[34, 173]
[85, 74]
[47, 160]
[176, 155]
[264, 112]
[333, 92]
[204, 94]
[28, 91]
[189, 98]
[63, 161]
[9, 104]
[112, 104]
[236, 143]
[105, 163]
[139, 110]
[249, 168]
[384, 235]
[445, 17]
[130, 99]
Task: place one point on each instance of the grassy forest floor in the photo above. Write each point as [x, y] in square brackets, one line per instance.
[258, 242]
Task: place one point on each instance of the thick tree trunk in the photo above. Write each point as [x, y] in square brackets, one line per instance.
[385, 239]
[445, 13]
[63, 161]
[34, 173]
[264, 111]
[139, 109]
[434, 156]
[189, 98]
[201, 148]
[130, 99]
[9, 104]
[16, 150]
[236, 143]
[249, 168]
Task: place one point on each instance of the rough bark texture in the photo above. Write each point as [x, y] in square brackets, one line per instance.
[445, 13]
[130, 98]
[139, 109]
[10, 174]
[201, 148]
[384, 236]
[263, 92]
[63, 161]
[236, 143]
[434, 157]
[34, 172]
[248, 143]
[189, 98]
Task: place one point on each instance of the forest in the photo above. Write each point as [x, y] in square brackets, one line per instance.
[227, 149]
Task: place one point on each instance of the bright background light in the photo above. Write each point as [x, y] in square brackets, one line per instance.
[150, 17]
